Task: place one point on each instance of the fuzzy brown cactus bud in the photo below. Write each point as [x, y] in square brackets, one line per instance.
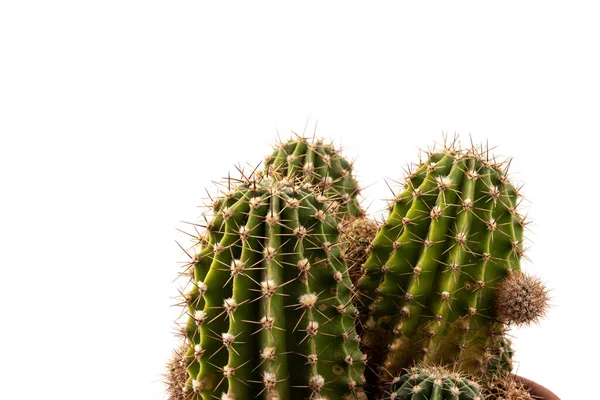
[355, 240]
[521, 299]
[176, 374]
[506, 388]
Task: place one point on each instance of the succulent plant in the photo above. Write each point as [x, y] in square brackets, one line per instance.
[452, 236]
[272, 312]
[497, 359]
[323, 166]
[521, 299]
[270, 306]
[433, 383]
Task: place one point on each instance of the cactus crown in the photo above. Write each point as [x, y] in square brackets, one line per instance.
[270, 306]
[452, 235]
[320, 164]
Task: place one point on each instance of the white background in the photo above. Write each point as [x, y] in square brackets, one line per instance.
[116, 115]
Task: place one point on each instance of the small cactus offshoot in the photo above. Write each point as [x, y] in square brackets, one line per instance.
[433, 383]
[521, 299]
[272, 312]
[356, 239]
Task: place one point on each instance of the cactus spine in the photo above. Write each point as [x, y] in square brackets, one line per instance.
[323, 166]
[433, 383]
[270, 311]
[452, 235]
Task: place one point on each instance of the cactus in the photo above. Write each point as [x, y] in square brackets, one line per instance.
[521, 299]
[323, 166]
[433, 383]
[497, 359]
[452, 235]
[270, 306]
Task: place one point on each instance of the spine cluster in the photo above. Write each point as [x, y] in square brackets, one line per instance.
[453, 234]
[321, 165]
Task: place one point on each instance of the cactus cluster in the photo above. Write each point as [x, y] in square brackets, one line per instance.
[272, 307]
[506, 388]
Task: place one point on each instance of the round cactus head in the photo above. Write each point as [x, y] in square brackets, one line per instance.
[270, 306]
[522, 299]
[321, 165]
[433, 382]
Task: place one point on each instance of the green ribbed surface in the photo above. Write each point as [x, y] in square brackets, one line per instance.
[451, 236]
[433, 383]
[320, 164]
[271, 314]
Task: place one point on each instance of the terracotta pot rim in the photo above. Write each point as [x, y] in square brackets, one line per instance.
[537, 391]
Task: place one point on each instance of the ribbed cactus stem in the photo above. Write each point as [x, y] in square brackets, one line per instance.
[453, 234]
[271, 312]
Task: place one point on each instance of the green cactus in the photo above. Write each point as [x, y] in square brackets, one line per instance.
[270, 308]
[433, 383]
[323, 166]
[521, 299]
[452, 235]
[497, 359]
